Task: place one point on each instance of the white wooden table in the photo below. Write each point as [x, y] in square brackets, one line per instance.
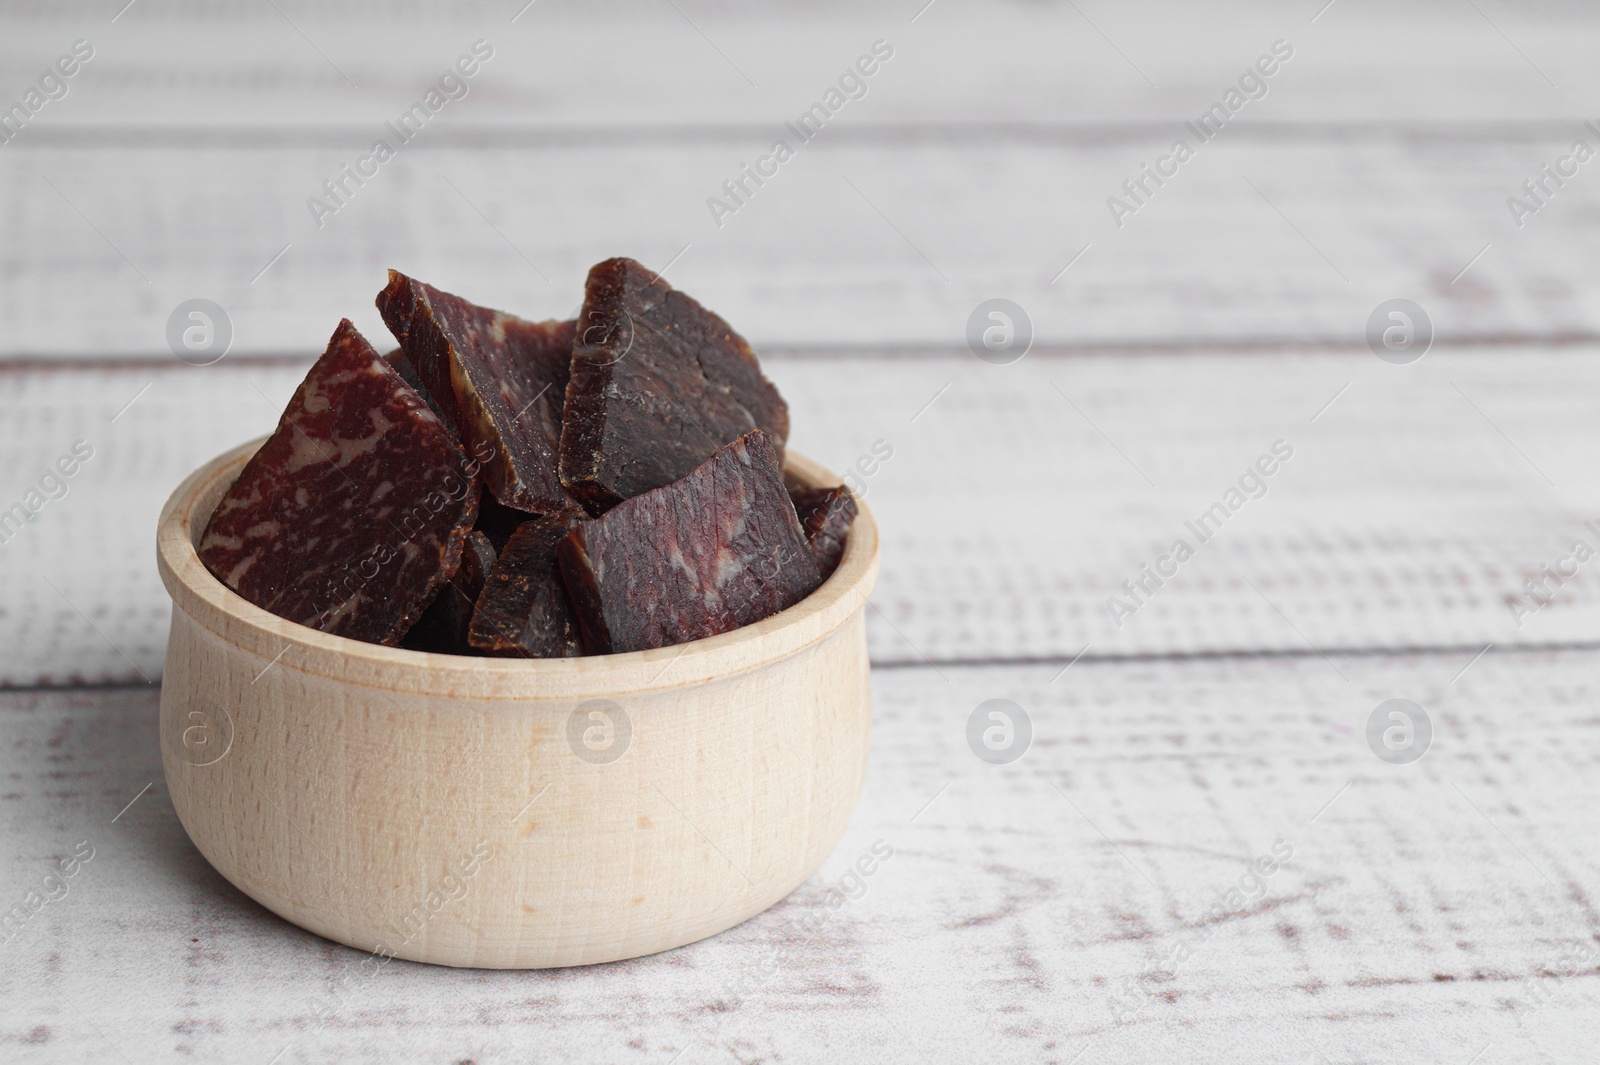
[1064, 906]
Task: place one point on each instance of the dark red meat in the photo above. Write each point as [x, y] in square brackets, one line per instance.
[443, 627]
[715, 550]
[524, 610]
[354, 512]
[825, 515]
[499, 380]
[658, 384]
[408, 374]
[498, 521]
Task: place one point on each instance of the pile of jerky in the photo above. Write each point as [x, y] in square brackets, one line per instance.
[532, 489]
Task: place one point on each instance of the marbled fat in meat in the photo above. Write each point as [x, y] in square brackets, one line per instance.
[354, 512]
[715, 550]
[658, 384]
[498, 379]
[524, 611]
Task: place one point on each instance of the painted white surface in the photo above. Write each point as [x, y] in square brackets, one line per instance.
[979, 162]
[1427, 912]
[1441, 911]
[1017, 501]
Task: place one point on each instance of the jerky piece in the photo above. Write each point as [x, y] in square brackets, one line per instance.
[825, 515]
[443, 627]
[354, 512]
[498, 521]
[499, 380]
[524, 610]
[658, 384]
[716, 550]
[408, 374]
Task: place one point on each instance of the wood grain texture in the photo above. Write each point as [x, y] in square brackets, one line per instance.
[630, 65]
[979, 163]
[1425, 913]
[1033, 912]
[856, 241]
[1014, 506]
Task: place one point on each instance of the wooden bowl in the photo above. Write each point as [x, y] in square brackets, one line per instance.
[506, 813]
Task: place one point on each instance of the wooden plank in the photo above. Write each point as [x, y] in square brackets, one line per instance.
[852, 243]
[224, 66]
[182, 160]
[1033, 908]
[1015, 504]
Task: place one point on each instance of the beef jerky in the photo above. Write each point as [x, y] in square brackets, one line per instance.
[354, 512]
[444, 626]
[825, 515]
[524, 610]
[498, 521]
[658, 384]
[716, 550]
[408, 374]
[499, 380]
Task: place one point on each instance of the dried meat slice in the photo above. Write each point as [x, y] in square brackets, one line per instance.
[715, 550]
[524, 611]
[443, 627]
[825, 515]
[498, 521]
[408, 374]
[499, 380]
[658, 384]
[354, 512]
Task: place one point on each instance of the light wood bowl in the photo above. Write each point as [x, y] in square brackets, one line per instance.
[477, 811]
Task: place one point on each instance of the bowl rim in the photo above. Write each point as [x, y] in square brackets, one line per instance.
[289, 645]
